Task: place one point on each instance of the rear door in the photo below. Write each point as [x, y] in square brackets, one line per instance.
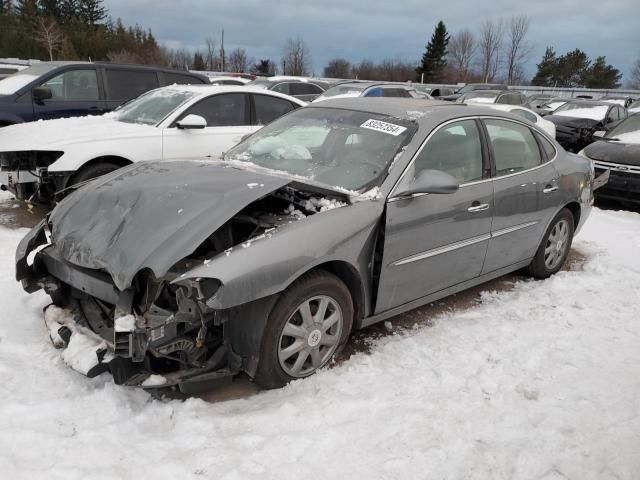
[75, 92]
[525, 193]
[435, 241]
[228, 120]
[266, 108]
[123, 84]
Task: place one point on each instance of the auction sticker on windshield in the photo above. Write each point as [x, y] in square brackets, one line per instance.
[384, 127]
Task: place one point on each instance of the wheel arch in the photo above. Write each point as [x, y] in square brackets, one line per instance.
[576, 211]
[115, 159]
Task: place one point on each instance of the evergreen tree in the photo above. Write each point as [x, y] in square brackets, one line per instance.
[433, 60]
[601, 75]
[198, 62]
[546, 69]
[91, 11]
[571, 68]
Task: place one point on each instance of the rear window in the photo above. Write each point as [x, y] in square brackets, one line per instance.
[127, 84]
[547, 146]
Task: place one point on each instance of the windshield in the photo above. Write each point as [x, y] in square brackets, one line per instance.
[152, 107]
[617, 101]
[13, 83]
[337, 147]
[582, 110]
[627, 131]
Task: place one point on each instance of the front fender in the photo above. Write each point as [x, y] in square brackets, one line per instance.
[268, 265]
[10, 118]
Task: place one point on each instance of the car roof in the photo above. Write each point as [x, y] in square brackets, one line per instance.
[208, 89]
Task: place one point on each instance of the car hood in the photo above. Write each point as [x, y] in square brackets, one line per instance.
[573, 122]
[56, 134]
[615, 152]
[152, 214]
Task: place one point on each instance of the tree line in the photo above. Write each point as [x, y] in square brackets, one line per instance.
[83, 30]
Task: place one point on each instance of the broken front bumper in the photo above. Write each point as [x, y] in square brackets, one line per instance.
[92, 345]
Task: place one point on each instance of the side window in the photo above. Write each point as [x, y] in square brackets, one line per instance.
[374, 92]
[74, 85]
[455, 149]
[622, 113]
[514, 148]
[304, 89]
[224, 110]
[612, 116]
[524, 114]
[128, 84]
[282, 88]
[180, 79]
[547, 146]
[269, 108]
[396, 92]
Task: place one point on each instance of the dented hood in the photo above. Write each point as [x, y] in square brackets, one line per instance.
[151, 214]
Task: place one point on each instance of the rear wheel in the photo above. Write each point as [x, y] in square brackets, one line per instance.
[308, 326]
[555, 246]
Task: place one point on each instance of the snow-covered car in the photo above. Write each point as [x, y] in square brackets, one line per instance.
[623, 100]
[577, 120]
[550, 106]
[634, 107]
[619, 152]
[303, 88]
[41, 161]
[332, 218]
[530, 115]
[372, 89]
[507, 97]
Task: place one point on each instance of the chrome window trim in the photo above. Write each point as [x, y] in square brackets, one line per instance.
[461, 244]
[391, 197]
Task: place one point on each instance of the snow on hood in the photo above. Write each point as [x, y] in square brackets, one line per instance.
[151, 215]
[592, 113]
[56, 134]
[340, 95]
[614, 151]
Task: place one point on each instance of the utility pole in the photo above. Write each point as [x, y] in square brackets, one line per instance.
[222, 53]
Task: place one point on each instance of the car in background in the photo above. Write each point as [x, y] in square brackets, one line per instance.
[549, 106]
[539, 99]
[306, 89]
[472, 87]
[634, 107]
[577, 120]
[618, 151]
[337, 216]
[527, 114]
[225, 80]
[49, 90]
[366, 89]
[624, 100]
[505, 97]
[40, 162]
[7, 69]
[434, 92]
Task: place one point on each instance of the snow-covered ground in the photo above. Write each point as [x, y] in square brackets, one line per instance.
[538, 382]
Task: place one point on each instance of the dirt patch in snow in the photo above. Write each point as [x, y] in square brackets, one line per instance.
[15, 214]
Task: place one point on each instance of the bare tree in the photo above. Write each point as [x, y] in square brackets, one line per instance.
[49, 35]
[296, 57]
[123, 56]
[516, 49]
[179, 59]
[337, 68]
[461, 50]
[489, 48]
[237, 61]
[211, 58]
[634, 78]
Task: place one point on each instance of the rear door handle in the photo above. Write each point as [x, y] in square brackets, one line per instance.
[478, 207]
[549, 189]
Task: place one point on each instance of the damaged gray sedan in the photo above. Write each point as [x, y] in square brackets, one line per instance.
[336, 216]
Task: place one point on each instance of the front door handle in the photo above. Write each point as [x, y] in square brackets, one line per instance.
[478, 207]
[550, 189]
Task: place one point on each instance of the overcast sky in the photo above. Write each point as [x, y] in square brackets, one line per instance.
[357, 29]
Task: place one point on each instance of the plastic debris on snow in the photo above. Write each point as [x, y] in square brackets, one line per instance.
[80, 354]
[154, 381]
[126, 323]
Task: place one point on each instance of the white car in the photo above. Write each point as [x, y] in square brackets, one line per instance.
[523, 112]
[39, 161]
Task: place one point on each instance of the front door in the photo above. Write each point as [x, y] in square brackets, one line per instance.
[525, 194]
[435, 241]
[73, 93]
[227, 117]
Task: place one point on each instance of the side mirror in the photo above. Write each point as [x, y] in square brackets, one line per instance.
[41, 93]
[430, 181]
[191, 122]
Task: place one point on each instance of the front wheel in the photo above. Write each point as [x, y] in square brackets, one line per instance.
[308, 326]
[554, 248]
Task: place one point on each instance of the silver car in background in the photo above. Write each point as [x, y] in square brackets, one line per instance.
[334, 217]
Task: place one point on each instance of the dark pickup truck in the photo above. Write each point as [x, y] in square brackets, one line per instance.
[70, 89]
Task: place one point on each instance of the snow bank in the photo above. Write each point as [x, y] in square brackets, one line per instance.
[541, 381]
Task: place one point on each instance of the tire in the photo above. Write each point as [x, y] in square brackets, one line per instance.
[312, 343]
[554, 248]
[93, 171]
